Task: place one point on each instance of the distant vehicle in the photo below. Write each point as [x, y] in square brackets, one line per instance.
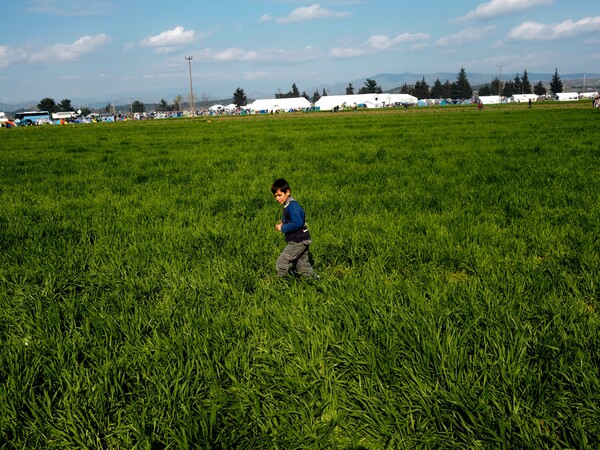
[63, 115]
[28, 118]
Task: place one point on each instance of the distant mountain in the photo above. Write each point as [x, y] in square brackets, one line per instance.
[6, 107]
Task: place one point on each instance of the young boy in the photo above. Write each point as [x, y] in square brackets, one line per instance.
[293, 225]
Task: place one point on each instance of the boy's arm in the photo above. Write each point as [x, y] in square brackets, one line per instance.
[296, 218]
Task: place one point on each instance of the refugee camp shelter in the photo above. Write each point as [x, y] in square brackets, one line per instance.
[215, 108]
[330, 102]
[273, 105]
[567, 96]
[490, 99]
[524, 98]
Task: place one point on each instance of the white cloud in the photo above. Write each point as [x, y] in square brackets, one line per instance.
[534, 31]
[232, 54]
[5, 56]
[381, 43]
[169, 40]
[70, 52]
[236, 54]
[498, 8]
[266, 18]
[468, 36]
[312, 12]
[351, 52]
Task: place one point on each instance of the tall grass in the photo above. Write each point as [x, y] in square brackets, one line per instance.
[458, 305]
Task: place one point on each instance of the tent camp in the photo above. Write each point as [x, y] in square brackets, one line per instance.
[273, 105]
[524, 98]
[490, 99]
[567, 96]
[330, 102]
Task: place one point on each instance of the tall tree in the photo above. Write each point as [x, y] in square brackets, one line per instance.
[421, 89]
[324, 93]
[370, 87]
[485, 90]
[350, 89]
[162, 105]
[509, 89]
[446, 90]
[495, 86]
[316, 96]
[177, 101]
[47, 104]
[64, 105]
[294, 93]
[461, 88]
[526, 83]
[239, 97]
[138, 107]
[406, 89]
[436, 89]
[556, 84]
[517, 85]
[539, 89]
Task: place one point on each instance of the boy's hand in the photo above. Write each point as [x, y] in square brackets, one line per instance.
[278, 226]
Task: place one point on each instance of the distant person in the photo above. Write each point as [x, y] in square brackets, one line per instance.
[293, 225]
[479, 105]
[529, 103]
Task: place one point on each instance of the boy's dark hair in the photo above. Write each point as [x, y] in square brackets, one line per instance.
[280, 185]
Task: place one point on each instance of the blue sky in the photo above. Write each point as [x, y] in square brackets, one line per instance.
[96, 49]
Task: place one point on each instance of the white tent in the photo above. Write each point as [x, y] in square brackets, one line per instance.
[490, 99]
[588, 95]
[231, 107]
[520, 98]
[216, 108]
[567, 96]
[330, 102]
[270, 105]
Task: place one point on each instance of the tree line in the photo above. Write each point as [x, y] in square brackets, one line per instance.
[370, 87]
[48, 104]
[459, 89]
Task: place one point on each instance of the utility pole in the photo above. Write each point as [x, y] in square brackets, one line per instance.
[500, 83]
[189, 60]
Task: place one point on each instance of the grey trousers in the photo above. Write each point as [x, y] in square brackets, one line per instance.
[295, 253]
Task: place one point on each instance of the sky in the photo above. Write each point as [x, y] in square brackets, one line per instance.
[95, 49]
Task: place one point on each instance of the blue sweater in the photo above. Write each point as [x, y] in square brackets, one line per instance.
[294, 222]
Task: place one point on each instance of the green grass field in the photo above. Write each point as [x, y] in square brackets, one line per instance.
[457, 307]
